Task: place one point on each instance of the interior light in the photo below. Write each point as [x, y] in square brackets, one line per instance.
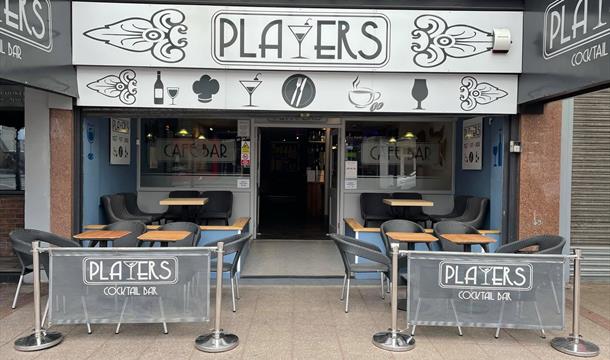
[149, 136]
[201, 137]
[183, 132]
[409, 135]
[392, 140]
[211, 129]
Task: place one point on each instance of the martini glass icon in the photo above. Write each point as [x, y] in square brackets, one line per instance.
[299, 32]
[250, 86]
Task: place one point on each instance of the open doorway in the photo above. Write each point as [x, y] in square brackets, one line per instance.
[293, 193]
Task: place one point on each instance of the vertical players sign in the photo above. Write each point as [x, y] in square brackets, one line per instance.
[120, 145]
[472, 144]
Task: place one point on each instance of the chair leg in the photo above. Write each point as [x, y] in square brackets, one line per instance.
[416, 316]
[163, 316]
[44, 315]
[118, 325]
[347, 296]
[82, 299]
[382, 281]
[542, 333]
[233, 294]
[388, 287]
[237, 287]
[18, 288]
[343, 288]
[226, 221]
[456, 317]
[500, 320]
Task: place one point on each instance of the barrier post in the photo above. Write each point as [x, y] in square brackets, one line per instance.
[574, 344]
[217, 340]
[393, 339]
[40, 339]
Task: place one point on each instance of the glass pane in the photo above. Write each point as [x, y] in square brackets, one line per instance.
[12, 158]
[191, 152]
[403, 155]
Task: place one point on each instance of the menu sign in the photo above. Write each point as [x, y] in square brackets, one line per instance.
[96, 285]
[120, 144]
[486, 290]
[257, 38]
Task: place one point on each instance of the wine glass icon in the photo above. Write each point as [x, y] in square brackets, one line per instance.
[299, 32]
[172, 92]
[485, 269]
[419, 92]
[130, 264]
[250, 86]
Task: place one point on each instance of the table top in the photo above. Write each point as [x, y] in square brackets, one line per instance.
[407, 202]
[411, 237]
[162, 235]
[184, 201]
[102, 235]
[465, 239]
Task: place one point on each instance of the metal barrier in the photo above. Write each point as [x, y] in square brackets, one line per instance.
[397, 340]
[114, 277]
[573, 344]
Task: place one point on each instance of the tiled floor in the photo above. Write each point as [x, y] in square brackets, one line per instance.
[300, 322]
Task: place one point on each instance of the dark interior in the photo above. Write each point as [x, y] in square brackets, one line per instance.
[291, 207]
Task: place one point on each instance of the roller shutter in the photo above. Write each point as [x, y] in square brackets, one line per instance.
[590, 222]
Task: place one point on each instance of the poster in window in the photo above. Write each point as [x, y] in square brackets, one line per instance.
[472, 144]
[119, 142]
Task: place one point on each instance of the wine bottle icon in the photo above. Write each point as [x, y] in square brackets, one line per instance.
[158, 93]
[419, 92]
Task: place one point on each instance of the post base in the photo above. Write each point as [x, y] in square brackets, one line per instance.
[216, 342]
[31, 342]
[394, 341]
[569, 345]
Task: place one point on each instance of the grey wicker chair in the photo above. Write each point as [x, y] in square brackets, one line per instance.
[348, 247]
[136, 228]
[233, 244]
[131, 203]
[453, 227]
[372, 208]
[191, 240]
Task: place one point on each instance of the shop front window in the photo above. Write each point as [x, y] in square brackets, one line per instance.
[12, 158]
[191, 152]
[397, 156]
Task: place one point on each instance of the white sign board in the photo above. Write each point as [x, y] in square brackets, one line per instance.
[288, 91]
[351, 169]
[120, 146]
[472, 144]
[243, 183]
[351, 184]
[222, 37]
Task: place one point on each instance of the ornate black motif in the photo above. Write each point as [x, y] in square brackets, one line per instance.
[162, 35]
[434, 41]
[473, 93]
[122, 86]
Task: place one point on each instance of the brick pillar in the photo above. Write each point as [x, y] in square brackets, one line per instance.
[540, 167]
[11, 217]
[61, 129]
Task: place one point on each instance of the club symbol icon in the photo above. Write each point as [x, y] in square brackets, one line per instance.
[300, 32]
[298, 91]
[250, 86]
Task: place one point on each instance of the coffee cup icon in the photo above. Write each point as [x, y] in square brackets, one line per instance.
[362, 97]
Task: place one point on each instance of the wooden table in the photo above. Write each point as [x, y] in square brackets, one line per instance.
[184, 201]
[467, 240]
[407, 202]
[411, 239]
[164, 237]
[103, 236]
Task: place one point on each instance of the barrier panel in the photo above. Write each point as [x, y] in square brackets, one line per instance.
[129, 285]
[486, 290]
